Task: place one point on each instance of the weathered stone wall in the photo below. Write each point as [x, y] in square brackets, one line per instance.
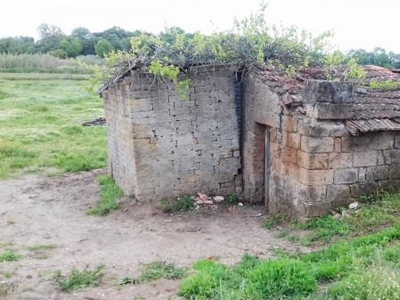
[316, 165]
[176, 146]
[334, 164]
[161, 146]
[121, 159]
[263, 112]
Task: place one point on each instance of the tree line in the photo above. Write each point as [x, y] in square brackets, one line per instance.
[82, 41]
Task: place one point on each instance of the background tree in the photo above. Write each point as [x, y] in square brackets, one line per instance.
[50, 38]
[117, 37]
[17, 45]
[86, 38]
[103, 47]
[377, 57]
[72, 46]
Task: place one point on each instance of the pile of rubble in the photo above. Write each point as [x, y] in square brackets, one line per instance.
[203, 200]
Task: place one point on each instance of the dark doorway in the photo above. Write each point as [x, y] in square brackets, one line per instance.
[267, 165]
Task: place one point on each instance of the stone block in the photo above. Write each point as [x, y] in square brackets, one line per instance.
[315, 177]
[340, 160]
[397, 141]
[345, 176]
[312, 161]
[365, 159]
[338, 130]
[377, 173]
[394, 171]
[327, 91]
[329, 111]
[293, 140]
[381, 158]
[310, 127]
[141, 132]
[369, 141]
[317, 145]
[362, 174]
[338, 195]
[291, 123]
[311, 193]
[290, 155]
[391, 156]
[338, 144]
[292, 170]
[273, 134]
[314, 209]
[140, 105]
[364, 188]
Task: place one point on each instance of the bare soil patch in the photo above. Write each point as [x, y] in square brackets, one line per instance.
[37, 211]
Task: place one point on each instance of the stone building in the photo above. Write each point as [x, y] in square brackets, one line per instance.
[302, 146]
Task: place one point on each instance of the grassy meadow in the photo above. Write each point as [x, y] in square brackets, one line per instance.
[41, 118]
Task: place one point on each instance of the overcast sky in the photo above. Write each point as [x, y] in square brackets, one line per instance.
[356, 23]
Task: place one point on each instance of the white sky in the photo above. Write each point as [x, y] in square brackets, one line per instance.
[356, 23]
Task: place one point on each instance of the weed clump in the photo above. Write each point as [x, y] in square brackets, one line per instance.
[8, 255]
[384, 85]
[79, 279]
[182, 204]
[154, 271]
[108, 194]
[276, 220]
[232, 199]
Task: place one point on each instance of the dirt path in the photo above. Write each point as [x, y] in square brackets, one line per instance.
[37, 211]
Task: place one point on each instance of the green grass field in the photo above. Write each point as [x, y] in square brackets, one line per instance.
[40, 124]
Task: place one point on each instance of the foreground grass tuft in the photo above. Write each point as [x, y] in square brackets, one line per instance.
[356, 269]
[379, 281]
[8, 255]
[79, 279]
[41, 251]
[108, 194]
[160, 269]
[154, 271]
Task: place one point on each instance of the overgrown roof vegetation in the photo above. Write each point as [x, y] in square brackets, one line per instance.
[252, 45]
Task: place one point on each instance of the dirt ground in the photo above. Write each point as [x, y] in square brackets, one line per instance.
[38, 210]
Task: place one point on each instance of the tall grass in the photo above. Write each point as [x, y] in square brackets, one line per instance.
[42, 63]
